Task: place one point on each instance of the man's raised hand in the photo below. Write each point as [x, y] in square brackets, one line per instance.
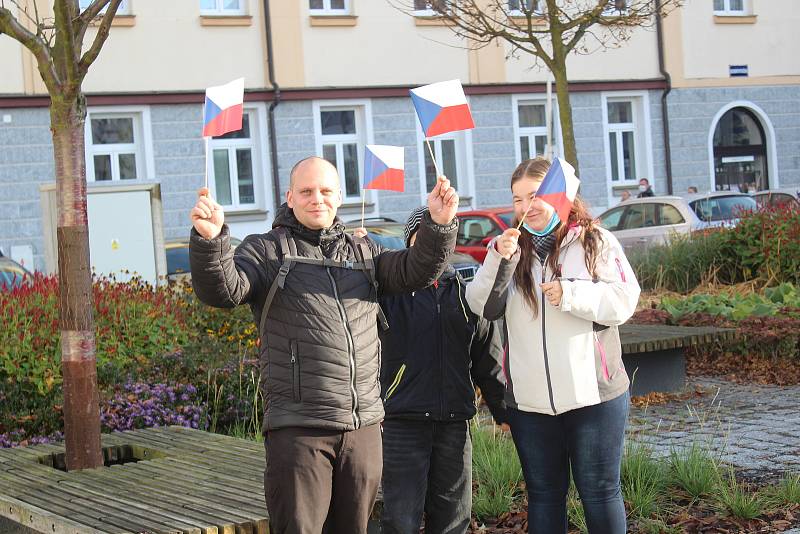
[443, 201]
[207, 216]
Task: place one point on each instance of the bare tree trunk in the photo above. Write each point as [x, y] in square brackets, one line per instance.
[81, 400]
[564, 106]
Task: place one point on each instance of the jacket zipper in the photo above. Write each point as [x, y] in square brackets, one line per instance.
[295, 372]
[544, 345]
[441, 352]
[350, 350]
[395, 383]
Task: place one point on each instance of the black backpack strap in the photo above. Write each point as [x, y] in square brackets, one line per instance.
[365, 253]
[284, 238]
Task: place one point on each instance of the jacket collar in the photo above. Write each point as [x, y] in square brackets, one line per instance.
[324, 238]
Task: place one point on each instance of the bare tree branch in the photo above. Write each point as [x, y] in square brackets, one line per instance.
[102, 34]
[10, 26]
[91, 13]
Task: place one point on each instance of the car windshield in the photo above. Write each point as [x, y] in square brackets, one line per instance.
[507, 217]
[722, 208]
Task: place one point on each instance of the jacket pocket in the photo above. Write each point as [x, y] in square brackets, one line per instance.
[396, 382]
[295, 371]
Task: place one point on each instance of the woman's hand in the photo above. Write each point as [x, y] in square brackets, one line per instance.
[360, 232]
[553, 292]
[507, 244]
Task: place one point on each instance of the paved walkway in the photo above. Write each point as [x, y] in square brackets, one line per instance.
[755, 428]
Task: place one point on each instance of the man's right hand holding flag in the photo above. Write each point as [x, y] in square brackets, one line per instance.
[443, 201]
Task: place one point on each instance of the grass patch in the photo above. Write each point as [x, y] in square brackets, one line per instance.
[496, 471]
[695, 470]
[737, 498]
[644, 480]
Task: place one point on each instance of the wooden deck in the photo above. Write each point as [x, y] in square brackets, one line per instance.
[175, 480]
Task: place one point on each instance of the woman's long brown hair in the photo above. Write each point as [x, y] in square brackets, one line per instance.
[579, 215]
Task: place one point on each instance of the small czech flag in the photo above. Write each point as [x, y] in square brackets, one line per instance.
[442, 107]
[383, 167]
[223, 108]
[559, 187]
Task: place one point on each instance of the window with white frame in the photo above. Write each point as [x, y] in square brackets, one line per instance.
[233, 165]
[614, 8]
[520, 8]
[329, 7]
[341, 140]
[222, 7]
[729, 7]
[531, 118]
[114, 147]
[123, 9]
[621, 126]
[430, 8]
[450, 150]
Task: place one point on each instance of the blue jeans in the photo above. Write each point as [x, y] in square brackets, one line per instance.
[590, 441]
[427, 467]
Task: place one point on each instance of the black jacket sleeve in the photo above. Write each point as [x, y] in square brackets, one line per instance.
[225, 279]
[417, 267]
[486, 353]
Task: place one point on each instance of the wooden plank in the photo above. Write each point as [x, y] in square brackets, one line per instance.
[51, 519]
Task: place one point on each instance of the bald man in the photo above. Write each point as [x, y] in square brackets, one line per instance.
[314, 290]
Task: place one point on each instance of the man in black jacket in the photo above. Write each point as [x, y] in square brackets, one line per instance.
[434, 349]
[314, 292]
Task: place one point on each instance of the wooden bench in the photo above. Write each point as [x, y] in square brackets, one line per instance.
[654, 354]
[165, 480]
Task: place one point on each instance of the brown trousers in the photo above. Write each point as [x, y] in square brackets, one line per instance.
[322, 481]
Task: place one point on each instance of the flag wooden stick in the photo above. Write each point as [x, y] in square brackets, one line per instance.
[206, 173]
[522, 219]
[363, 201]
[435, 165]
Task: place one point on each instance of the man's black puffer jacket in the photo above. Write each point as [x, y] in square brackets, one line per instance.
[320, 353]
[435, 347]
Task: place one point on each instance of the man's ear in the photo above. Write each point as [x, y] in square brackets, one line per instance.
[289, 201]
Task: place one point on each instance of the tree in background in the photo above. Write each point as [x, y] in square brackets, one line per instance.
[549, 30]
[57, 42]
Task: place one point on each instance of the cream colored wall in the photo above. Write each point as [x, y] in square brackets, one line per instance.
[635, 59]
[385, 47]
[769, 46]
[11, 75]
[169, 50]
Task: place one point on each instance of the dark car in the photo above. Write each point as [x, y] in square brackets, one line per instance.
[389, 234]
[178, 258]
[12, 274]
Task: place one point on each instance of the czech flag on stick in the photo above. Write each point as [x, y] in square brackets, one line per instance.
[559, 187]
[383, 167]
[442, 107]
[223, 109]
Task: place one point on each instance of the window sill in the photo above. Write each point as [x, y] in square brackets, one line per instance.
[226, 20]
[333, 20]
[521, 20]
[432, 21]
[735, 19]
[245, 214]
[119, 21]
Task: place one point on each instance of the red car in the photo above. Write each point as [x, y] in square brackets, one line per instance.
[477, 227]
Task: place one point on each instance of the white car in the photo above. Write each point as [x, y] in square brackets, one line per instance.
[787, 196]
[641, 222]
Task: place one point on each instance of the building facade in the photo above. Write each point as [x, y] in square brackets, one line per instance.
[338, 79]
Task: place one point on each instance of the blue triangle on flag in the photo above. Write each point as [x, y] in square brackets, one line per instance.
[427, 111]
[210, 111]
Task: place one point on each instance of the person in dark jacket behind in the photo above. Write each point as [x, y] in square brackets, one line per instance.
[435, 347]
[314, 293]
[644, 189]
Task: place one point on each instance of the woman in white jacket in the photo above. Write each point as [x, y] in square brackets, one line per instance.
[562, 290]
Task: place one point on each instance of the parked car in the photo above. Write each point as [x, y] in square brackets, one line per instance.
[389, 234]
[778, 197]
[12, 274]
[642, 222]
[178, 258]
[477, 227]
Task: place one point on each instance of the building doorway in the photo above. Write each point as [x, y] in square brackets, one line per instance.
[740, 152]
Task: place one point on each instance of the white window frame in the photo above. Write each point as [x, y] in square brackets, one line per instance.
[257, 116]
[519, 131]
[466, 178]
[363, 137]
[327, 10]
[643, 142]
[728, 12]
[220, 11]
[123, 9]
[143, 148]
[537, 11]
